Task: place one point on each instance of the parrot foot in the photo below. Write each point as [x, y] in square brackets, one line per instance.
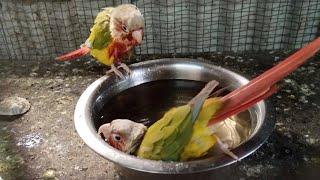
[224, 148]
[125, 67]
[115, 71]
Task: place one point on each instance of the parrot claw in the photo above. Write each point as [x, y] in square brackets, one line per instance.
[115, 71]
[125, 67]
[224, 148]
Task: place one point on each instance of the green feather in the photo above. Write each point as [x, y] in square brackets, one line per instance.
[166, 139]
[100, 35]
[164, 133]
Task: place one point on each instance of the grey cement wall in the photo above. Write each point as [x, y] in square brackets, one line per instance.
[43, 29]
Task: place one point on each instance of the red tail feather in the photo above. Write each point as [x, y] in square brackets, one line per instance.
[74, 54]
[260, 87]
[224, 115]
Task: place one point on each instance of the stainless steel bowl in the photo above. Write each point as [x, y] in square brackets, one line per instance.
[99, 92]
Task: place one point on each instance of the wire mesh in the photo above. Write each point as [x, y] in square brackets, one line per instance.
[44, 29]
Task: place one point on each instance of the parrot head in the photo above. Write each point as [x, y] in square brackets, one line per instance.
[127, 24]
[123, 134]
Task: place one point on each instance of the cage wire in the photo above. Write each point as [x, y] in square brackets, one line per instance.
[44, 29]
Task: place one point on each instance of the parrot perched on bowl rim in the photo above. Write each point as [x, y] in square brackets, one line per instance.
[115, 32]
[235, 102]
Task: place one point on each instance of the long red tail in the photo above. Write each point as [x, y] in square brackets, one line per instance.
[262, 86]
[74, 54]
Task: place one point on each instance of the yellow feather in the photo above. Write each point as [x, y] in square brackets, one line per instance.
[102, 56]
[100, 37]
[202, 139]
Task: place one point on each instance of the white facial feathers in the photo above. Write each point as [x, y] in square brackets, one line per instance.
[127, 15]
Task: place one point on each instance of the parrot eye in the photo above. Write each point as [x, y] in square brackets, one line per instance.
[116, 137]
[124, 28]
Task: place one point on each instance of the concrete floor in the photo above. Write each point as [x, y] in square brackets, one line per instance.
[43, 143]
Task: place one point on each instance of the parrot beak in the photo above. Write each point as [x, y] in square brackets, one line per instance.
[104, 131]
[137, 35]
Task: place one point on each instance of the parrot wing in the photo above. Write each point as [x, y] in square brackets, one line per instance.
[100, 35]
[166, 138]
[198, 100]
[202, 139]
[163, 133]
[98, 40]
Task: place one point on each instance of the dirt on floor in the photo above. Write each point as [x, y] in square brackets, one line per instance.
[43, 142]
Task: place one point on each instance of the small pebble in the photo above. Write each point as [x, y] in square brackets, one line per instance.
[291, 96]
[311, 140]
[76, 71]
[288, 90]
[229, 57]
[83, 169]
[288, 120]
[67, 62]
[33, 74]
[286, 109]
[36, 68]
[49, 174]
[303, 99]
[288, 134]
[279, 124]
[289, 81]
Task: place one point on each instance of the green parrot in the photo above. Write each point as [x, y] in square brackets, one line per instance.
[115, 32]
[126, 135]
[173, 137]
